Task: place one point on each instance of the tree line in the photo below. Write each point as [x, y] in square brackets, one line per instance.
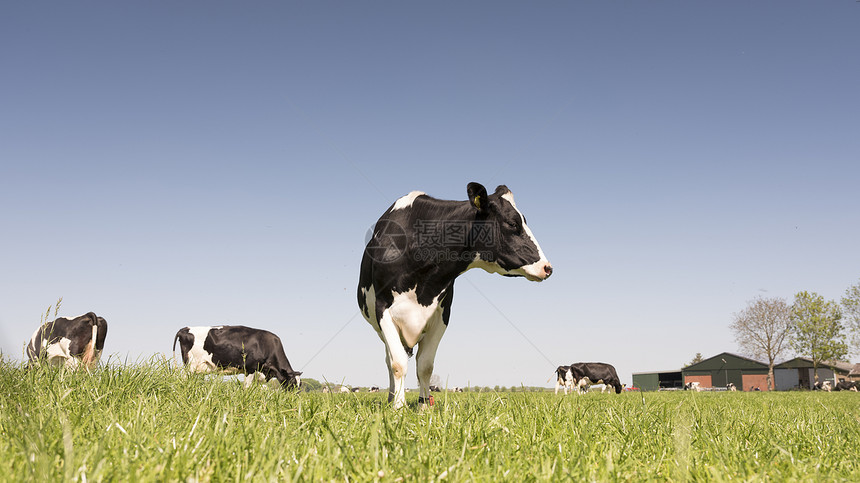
[811, 326]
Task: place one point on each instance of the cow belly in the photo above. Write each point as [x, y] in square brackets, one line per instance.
[411, 318]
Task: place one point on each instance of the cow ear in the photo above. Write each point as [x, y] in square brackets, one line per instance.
[478, 197]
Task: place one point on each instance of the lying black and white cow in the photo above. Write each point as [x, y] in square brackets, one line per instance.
[846, 386]
[69, 342]
[418, 248]
[256, 353]
[693, 386]
[585, 374]
[825, 386]
[731, 387]
[563, 378]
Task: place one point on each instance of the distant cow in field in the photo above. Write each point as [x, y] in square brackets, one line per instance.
[584, 374]
[825, 386]
[418, 248]
[563, 379]
[731, 387]
[692, 386]
[256, 353]
[69, 342]
[846, 386]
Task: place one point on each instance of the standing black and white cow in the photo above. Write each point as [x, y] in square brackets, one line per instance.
[587, 373]
[69, 342]
[256, 353]
[419, 246]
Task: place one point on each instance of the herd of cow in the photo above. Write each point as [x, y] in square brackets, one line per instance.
[79, 342]
[419, 246]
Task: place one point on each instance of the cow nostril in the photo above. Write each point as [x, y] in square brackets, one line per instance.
[548, 270]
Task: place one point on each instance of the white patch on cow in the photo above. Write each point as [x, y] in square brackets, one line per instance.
[410, 317]
[535, 271]
[406, 201]
[370, 303]
[250, 379]
[58, 353]
[198, 359]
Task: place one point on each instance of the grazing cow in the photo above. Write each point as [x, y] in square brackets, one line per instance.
[564, 378]
[237, 349]
[418, 248]
[374, 389]
[584, 374]
[844, 385]
[731, 387]
[69, 342]
[692, 386]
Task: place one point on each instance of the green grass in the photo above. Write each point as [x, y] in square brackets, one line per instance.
[147, 422]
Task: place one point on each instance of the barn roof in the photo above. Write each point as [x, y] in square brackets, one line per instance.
[726, 360]
[805, 362]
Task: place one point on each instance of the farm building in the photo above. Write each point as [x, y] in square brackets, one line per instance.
[717, 371]
[654, 381]
[854, 375]
[797, 373]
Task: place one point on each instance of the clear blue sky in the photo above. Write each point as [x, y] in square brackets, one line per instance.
[197, 163]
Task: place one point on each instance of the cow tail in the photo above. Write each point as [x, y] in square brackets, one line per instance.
[174, 348]
[89, 356]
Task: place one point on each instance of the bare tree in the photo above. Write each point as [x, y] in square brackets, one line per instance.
[851, 313]
[762, 331]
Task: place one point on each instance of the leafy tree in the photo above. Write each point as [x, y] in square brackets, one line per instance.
[762, 331]
[309, 384]
[697, 359]
[817, 329]
[851, 311]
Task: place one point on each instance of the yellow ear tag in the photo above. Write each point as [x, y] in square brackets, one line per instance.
[477, 202]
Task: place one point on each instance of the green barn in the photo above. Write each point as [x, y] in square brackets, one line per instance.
[714, 372]
[718, 371]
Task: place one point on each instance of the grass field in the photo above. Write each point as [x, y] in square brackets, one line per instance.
[147, 422]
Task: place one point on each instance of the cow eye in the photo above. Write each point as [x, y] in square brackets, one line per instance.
[511, 225]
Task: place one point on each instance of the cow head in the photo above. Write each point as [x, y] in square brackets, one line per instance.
[293, 379]
[501, 238]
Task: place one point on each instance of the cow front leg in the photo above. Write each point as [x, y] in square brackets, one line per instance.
[426, 357]
[397, 360]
